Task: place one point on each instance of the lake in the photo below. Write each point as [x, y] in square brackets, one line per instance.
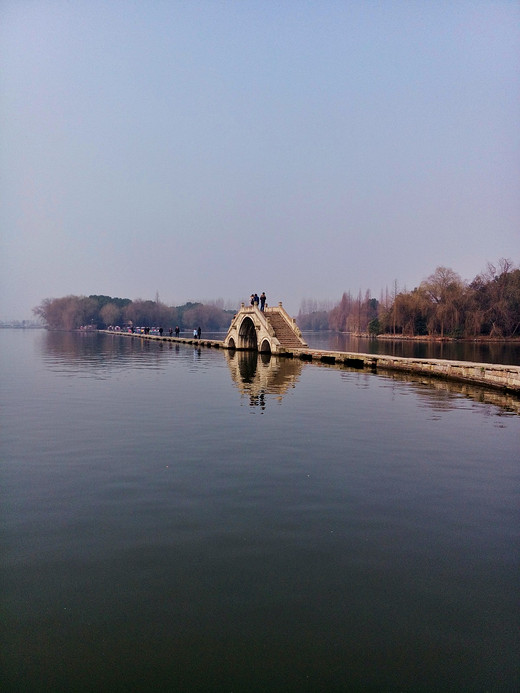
[455, 350]
[189, 519]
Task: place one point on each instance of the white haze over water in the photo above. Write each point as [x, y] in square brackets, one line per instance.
[211, 149]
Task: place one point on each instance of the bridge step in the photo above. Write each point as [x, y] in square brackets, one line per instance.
[283, 331]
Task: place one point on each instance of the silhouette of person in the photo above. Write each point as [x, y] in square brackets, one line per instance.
[263, 299]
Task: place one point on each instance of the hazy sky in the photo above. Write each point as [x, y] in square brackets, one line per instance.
[210, 149]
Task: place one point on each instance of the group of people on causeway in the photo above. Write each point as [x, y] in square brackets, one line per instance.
[255, 300]
[157, 331]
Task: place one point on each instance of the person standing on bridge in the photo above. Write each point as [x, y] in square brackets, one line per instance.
[263, 299]
[177, 330]
[256, 300]
[199, 332]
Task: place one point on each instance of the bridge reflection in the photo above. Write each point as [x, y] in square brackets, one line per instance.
[256, 375]
[259, 375]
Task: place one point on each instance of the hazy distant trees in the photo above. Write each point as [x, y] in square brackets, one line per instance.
[354, 314]
[209, 317]
[73, 312]
[149, 314]
[443, 305]
[496, 293]
[445, 297]
[314, 315]
[110, 314]
[67, 313]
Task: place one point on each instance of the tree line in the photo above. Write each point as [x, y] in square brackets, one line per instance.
[98, 311]
[443, 305]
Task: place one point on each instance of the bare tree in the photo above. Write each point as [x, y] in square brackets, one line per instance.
[67, 313]
[445, 290]
[110, 314]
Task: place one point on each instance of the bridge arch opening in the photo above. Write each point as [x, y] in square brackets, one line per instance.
[265, 347]
[231, 343]
[247, 335]
[247, 366]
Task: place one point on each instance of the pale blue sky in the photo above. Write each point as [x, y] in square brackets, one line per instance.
[212, 149]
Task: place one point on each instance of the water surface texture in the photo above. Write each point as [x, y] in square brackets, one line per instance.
[457, 350]
[183, 519]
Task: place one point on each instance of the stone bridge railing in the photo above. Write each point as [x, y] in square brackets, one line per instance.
[250, 329]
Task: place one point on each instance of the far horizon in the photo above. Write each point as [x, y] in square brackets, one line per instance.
[204, 149]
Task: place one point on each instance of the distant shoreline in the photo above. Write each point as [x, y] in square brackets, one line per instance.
[481, 339]
[425, 338]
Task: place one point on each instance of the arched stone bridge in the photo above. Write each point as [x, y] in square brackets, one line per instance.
[269, 331]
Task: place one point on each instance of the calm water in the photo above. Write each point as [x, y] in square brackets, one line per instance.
[478, 352]
[184, 520]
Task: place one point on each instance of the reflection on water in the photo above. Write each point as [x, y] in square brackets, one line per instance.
[156, 537]
[257, 375]
[99, 353]
[478, 352]
[85, 348]
[439, 394]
